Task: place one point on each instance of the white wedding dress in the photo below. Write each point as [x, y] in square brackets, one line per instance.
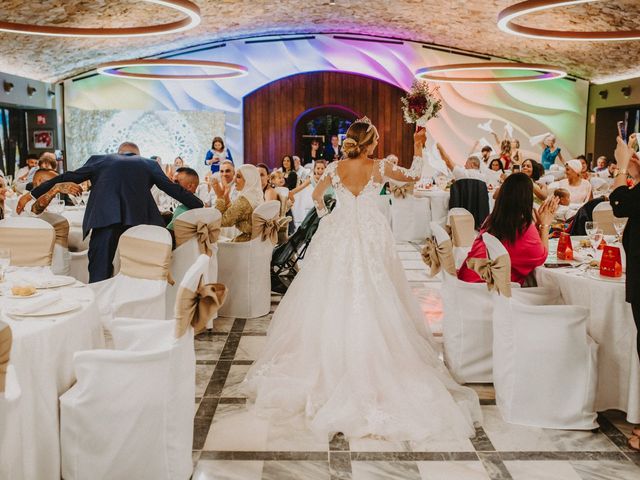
[348, 349]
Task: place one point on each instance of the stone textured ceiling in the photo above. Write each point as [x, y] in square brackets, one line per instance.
[463, 24]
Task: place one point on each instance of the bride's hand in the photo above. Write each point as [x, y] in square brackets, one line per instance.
[420, 137]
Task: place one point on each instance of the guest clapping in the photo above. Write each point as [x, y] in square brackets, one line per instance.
[216, 154]
[524, 234]
[238, 213]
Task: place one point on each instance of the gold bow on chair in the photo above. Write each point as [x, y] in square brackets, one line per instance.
[438, 257]
[265, 228]
[496, 273]
[5, 350]
[197, 308]
[206, 234]
[402, 191]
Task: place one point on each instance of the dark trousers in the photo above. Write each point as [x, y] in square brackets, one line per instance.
[635, 308]
[102, 249]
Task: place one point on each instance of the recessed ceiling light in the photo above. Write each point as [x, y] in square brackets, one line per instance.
[434, 74]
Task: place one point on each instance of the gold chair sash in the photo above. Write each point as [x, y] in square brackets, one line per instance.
[197, 308]
[206, 234]
[30, 247]
[496, 273]
[141, 258]
[5, 351]
[266, 228]
[62, 232]
[439, 257]
[462, 230]
[402, 191]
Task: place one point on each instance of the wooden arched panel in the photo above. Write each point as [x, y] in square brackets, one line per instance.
[270, 113]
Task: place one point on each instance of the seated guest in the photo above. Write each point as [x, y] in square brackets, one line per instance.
[238, 213]
[578, 187]
[37, 206]
[495, 165]
[188, 179]
[265, 182]
[610, 171]
[586, 171]
[46, 161]
[564, 211]
[178, 162]
[523, 232]
[301, 171]
[23, 172]
[534, 170]
[227, 175]
[601, 164]
[471, 167]
[290, 175]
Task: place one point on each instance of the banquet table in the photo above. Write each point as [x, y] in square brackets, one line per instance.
[438, 203]
[612, 327]
[42, 354]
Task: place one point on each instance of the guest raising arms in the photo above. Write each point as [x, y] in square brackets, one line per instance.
[216, 154]
[550, 152]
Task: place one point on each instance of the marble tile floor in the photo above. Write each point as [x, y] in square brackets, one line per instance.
[230, 443]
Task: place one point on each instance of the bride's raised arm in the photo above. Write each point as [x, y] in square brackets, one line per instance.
[413, 173]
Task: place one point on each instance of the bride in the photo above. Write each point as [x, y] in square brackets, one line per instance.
[348, 349]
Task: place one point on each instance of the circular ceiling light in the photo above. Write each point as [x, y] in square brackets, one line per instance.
[115, 69]
[509, 14]
[543, 72]
[186, 7]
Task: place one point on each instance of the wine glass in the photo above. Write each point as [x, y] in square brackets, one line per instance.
[596, 240]
[5, 261]
[589, 228]
[619, 224]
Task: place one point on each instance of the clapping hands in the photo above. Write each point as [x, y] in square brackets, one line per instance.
[221, 189]
[545, 214]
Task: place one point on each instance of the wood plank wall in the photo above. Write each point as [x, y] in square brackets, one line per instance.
[270, 113]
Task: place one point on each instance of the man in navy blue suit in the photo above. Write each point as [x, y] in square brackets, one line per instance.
[120, 198]
[333, 151]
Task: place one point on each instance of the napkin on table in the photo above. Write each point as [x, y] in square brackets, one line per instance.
[30, 306]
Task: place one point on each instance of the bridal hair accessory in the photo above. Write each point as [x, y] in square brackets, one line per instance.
[349, 142]
[366, 120]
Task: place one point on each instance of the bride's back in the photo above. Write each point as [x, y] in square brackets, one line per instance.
[355, 174]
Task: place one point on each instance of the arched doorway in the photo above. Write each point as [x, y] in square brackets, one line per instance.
[320, 124]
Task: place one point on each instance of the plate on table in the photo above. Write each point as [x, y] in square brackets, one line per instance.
[596, 275]
[54, 282]
[11, 295]
[57, 308]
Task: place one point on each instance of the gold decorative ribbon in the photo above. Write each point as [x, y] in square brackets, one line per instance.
[60, 225]
[197, 308]
[439, 257]
[462, 230]
[495, 273]
[402, 191]
[30, 247]
[5, 351]
[265, 228]
[206, 234]
[141, 258]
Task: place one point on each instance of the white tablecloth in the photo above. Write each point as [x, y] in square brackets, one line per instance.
[611, 325]
[438, 204]
[42, 354]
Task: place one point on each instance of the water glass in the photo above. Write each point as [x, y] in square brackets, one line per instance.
[5, 261]
[589, 228]
[619, 224]
[596, 240]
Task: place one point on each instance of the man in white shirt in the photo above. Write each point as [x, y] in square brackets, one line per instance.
[228, 176]
[471, 167]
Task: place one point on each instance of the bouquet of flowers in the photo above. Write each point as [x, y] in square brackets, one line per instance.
[421, 103]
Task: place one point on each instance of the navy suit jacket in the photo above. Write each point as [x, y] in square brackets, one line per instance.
[329, 153]
[121, 191]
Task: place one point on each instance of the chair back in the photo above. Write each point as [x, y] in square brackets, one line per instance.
[401, 190]
[437, 252]
[283, 198]
[145, 252]
[603, 216]
[200, 224]
[265, 221]
[29, 239]
[472, 195]
[462, 227]
[5, 351]
[496, 269]
[61, 261]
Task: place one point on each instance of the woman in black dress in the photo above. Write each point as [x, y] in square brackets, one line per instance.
[625, 202]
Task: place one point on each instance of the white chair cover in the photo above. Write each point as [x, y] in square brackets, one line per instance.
[30, 240]
[61, 261]
[126, 295]
[11, 461]
[245, 269]
[130, 414]
[603, 216]
[544, 362]
[462, 233]
[546, 179]
[410, 217]
[467, 325]
[185, 255]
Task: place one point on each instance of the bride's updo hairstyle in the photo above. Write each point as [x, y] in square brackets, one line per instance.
[360, 135]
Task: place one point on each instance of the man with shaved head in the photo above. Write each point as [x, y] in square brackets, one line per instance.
[120, 198]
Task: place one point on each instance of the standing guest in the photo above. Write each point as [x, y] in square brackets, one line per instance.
[579, 188]
[550, 152]
[333, 151]
[238, 213]
[314, 152]
[625, 202]
[188, 179]
[601, 164]
[486, 153]
[505, 154]
[301, 172]
[267, 189]
[178, 162]
[523, 233]
[290, 175]
[516, 156]
[216, 154]
[120, 198]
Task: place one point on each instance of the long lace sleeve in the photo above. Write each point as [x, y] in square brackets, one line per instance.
[401, 174]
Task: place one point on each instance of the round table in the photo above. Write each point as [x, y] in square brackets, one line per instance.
[42, 355]
[611, 325]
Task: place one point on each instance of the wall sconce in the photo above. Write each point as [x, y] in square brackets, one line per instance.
[8, 86]
[31, 90]
[603, 94]
[626, 91]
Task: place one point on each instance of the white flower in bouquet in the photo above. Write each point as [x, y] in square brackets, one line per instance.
[421, 103]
